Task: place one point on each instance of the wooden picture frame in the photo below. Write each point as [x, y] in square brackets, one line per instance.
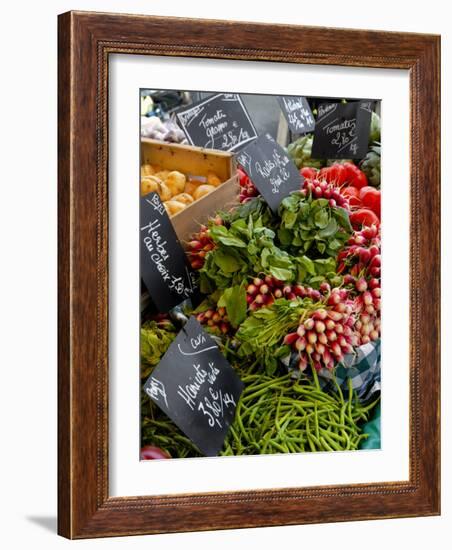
[86, 40]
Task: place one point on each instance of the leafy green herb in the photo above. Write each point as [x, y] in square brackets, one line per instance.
[244, 248]
[234, 300]
[312, 225]
[261, 334]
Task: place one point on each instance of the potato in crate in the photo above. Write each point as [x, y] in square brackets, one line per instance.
[192, 182]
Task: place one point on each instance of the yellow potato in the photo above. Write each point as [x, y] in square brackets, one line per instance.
[176, 182]
[213, 179]
[183, 197]
[173, 207]
[191, 186]
[203, 190]
[164, 192]
[162, 174]
[147, 170]
[149, 184]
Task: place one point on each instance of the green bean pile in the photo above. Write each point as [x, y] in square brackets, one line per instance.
[275, 415]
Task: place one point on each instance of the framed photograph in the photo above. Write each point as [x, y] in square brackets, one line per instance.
[249, 259]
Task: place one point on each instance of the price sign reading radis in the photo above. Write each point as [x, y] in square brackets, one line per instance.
[196, 387]
[219, 122]
[270, 169]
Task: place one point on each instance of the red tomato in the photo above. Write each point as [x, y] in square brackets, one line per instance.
[363, 217]
[355, 176]
[371, 198]
[308, 172]
[149, 452]
[335, 174]
[352, 194]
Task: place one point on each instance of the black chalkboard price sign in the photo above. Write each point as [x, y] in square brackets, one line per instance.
[196, 387]
[342, 130]
[164, 268]
[298, 113]
[270, 169]
[219, 122]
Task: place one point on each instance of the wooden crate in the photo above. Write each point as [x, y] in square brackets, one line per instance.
[195, 161]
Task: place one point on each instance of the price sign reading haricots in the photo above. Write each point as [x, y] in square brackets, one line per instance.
[342, 130]
[270, 169]
[165, 270]
[219, 122]
[297, 113]
[196, 387]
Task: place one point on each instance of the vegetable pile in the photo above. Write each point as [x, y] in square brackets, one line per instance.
[290, 296]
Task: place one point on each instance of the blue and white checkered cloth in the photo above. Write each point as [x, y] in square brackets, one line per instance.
[363, 367]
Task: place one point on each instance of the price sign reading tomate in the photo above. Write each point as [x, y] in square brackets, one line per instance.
[342, 130]
[196, 387]
[298, 114]
[218, 122]
[270, 169]
[164, 267]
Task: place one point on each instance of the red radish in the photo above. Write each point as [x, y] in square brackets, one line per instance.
[251, 289]
[300, 344]
[149, 452]
[361, 285]
[320, 314]
[330, 324]
[331, 335]
[312, 337]
[320, 326]
[301, 331]
[352, 194]
[309, 324]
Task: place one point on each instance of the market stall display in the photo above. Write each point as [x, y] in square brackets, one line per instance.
[291, 294]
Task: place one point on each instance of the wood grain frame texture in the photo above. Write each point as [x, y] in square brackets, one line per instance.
[85, 42]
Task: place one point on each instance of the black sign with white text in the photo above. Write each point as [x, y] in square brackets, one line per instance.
[342, 130]
[219, 122]
[270, 169]
[197, 388]
[298, 114]
[165, 270]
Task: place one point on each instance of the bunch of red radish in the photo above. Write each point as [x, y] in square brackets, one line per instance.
[200, 245]
[367, 306]
[264, 291]
[327, 334]
[247, 188]
[321, 189]
[216, 319]
[361, 254]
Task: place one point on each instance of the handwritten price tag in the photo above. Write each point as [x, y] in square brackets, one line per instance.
[342, 130]
[298, 113]
[196, 387]
[163, 264]
[219, 122]
[270, 169]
